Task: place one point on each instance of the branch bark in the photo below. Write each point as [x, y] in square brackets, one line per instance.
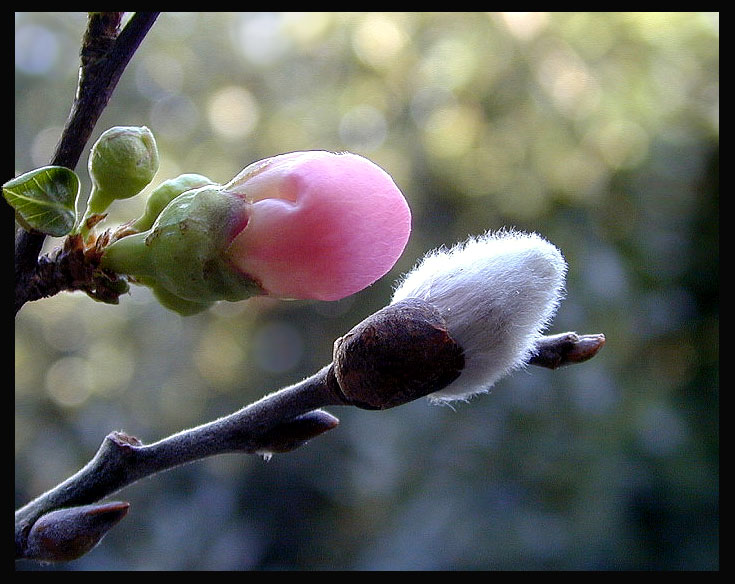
[104, 55]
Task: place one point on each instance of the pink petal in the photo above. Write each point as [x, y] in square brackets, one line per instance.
[322, 226]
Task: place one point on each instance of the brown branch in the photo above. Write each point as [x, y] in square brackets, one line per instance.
[279, 422]
[104, 56]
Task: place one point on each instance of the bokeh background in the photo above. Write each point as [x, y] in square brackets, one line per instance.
[598, 130]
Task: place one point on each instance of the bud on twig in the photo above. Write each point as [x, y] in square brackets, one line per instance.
[399, 354]
[295, 432]
[122, 163]
[67, 534]
[566, 349]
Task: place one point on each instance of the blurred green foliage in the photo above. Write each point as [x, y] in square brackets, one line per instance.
[598, 130]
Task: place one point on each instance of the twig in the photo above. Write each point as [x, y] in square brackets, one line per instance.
[279, 422]
[104, 56]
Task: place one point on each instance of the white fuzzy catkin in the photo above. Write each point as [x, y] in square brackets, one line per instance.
[497, 293]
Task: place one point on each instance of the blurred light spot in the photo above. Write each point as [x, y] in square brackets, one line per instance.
[219, 356]
[278, 347]
[44, 144]
[524, 197]
[260, 38]
[568, 81]
[592, 33]
[525, 25]
[306, 27]
[69, 381]
[26, 367]
[363, 128]
[451, 63]
[427, 100]
[621, 143]
[575, 172]
[665, 29]
[450, 132]
[181, 400]
[378, 40]
[174, 117]
[180, 26]
[36, 49]
[233, 112]
[158, 75]
[285, 132]
[113, 366]
[484, 170]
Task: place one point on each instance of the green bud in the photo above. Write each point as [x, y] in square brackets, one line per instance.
[122, 163]
[164, 194]
[171, 301]
[183, 256]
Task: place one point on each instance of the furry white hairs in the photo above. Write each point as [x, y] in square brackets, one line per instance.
[497, 293]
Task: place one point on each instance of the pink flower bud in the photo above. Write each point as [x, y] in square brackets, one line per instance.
[321, 225]
[309, 225]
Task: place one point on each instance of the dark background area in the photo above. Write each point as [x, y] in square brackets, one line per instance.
[598, 130]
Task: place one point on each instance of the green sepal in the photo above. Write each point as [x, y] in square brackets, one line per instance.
[45, 199]
[170, 301]
[187, 246]
[183, 256]
[166, 192]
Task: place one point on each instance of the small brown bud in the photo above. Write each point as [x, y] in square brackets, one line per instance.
[399, 354]
[566, 349]
[67, 534]
[296, 432]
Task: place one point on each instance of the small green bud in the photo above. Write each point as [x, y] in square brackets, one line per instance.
[122, 163]
[164, 194]
[183, 256]
[171, 301]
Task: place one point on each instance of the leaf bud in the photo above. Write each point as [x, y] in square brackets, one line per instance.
[399, 354]
[122, 162]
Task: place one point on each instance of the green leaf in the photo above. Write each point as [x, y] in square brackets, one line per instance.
[45, 199]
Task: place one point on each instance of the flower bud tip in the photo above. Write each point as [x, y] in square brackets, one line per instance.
[322, 225]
